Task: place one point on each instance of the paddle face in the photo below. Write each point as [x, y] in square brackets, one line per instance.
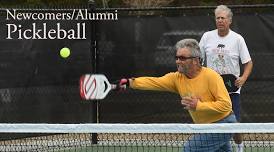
[229, 80]
[94, 86]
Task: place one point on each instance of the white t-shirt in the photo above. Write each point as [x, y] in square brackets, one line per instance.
[223, 54]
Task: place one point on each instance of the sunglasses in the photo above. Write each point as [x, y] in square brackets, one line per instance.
[183, 58]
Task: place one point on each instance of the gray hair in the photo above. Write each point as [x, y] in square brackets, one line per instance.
[226, 9]
[191, 44]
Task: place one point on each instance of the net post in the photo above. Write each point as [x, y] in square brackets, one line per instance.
[93, 50]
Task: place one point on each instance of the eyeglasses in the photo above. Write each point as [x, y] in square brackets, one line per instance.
[183, 58]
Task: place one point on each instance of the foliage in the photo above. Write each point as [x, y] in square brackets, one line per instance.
[147, 3]
[128, 3]
[9, 3]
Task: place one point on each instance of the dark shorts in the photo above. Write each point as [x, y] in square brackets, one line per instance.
[236, 106]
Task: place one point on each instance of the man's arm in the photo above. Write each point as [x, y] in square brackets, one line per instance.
[164, 83]
[220, 102]
[246, 72]
[203, 54]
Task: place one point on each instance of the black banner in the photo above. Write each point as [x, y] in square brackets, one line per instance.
[38, 86]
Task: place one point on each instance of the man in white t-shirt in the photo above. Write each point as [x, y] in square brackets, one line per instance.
[223, 51]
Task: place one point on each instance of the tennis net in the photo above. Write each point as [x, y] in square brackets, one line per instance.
[258, 137]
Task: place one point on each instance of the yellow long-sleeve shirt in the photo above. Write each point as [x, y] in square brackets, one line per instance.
[208, 86]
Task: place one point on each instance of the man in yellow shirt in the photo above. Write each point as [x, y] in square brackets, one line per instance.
[202, 91]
